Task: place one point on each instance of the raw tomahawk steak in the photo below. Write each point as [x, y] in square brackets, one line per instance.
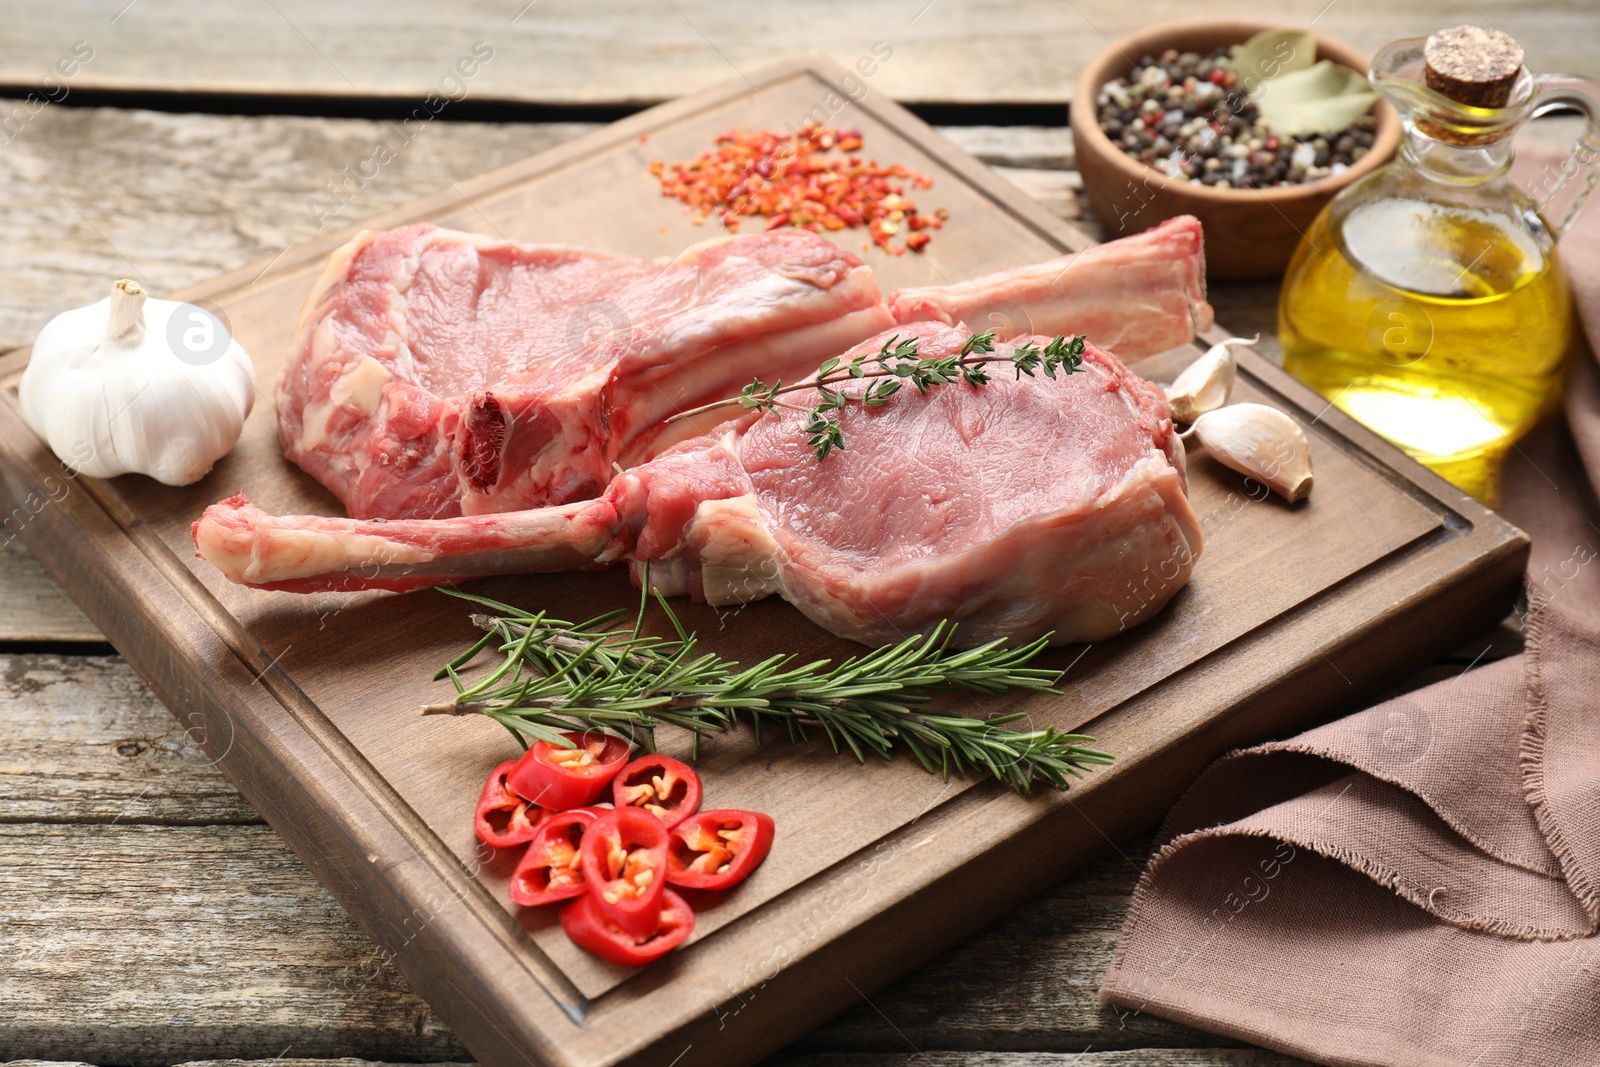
[436, 373]
[1016, 508]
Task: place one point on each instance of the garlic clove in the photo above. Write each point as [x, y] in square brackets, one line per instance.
[1206, 383]
[1260, 442]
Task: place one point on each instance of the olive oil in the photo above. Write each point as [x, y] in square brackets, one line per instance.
[1442, 326]
[1427, 300]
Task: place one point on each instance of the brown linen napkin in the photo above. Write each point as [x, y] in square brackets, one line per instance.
[1418, 883]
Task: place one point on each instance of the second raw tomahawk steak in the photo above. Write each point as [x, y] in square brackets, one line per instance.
[436, 373]
[1017, 508]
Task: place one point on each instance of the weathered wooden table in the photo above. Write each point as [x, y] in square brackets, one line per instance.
[147, 914]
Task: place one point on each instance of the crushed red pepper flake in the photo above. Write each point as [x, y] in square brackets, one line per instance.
[787, 181]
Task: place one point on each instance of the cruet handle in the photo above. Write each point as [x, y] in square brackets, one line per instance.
[1561, 195]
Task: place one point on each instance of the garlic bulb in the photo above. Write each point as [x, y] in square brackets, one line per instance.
[135, 385]
[1260, 442]
[1205, 384]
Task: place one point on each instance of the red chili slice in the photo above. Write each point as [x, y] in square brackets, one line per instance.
[625, 865]
[659, 784]
[503, 818]
[563, 778]
[551, 869]
[718, 849]
[589, 928]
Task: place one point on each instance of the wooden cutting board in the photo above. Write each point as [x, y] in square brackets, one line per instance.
[309, 703]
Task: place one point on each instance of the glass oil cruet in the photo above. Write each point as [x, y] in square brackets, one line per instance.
[1427, 300]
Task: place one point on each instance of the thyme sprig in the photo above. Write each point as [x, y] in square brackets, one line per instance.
[896, 362]
[556, 675]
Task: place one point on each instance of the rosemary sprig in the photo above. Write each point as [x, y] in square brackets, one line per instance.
[897, 361]
[556, 675]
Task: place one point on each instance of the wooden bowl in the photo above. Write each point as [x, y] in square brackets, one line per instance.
[1250, 233]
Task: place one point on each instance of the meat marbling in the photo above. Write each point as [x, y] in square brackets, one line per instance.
[1016, 508]
[436, 373]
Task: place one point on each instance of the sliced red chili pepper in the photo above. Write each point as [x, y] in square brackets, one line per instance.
[589, 928]
[625, 864]
[718, 849]
[659, 784]
[562, 778]
[551, 869]
[503, 818]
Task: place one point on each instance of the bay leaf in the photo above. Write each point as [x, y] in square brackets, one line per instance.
[1271, 53]
[1324, 98]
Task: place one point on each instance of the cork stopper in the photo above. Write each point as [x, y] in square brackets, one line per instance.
[1473, 66]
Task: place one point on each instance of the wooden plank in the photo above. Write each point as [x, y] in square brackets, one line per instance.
[275, 1062]
[1190, 1057]
[376, 804]
[1150, 1057]
[546, 52]
[1146, 1058]
[225, 947]
[1043, 147]
[111, 960]
[87, 742]
[35, 610]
